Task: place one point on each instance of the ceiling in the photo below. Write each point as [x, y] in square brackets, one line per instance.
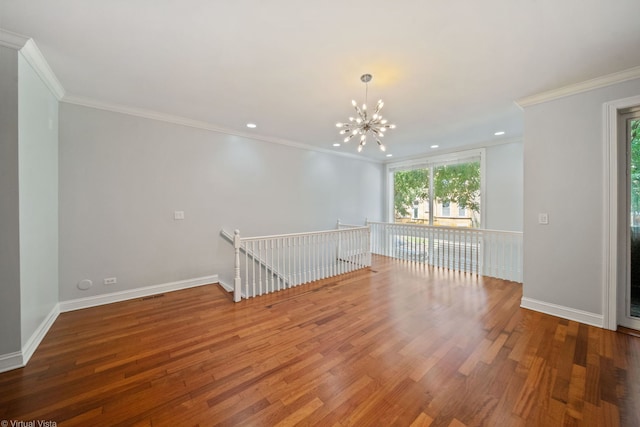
[448, 71]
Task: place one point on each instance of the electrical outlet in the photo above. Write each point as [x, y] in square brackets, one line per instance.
[178, 215]
[110, 281]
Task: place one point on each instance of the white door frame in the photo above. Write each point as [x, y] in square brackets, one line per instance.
[611, 209]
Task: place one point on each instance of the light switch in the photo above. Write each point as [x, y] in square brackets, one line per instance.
[543, 218]
[178, 215]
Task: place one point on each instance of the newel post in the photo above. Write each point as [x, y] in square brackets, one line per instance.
[237, 281]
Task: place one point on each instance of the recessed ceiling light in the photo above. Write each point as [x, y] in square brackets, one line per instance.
[251, 125]
[435, 146]
[337, 144]
[389, 155]
[500, 132]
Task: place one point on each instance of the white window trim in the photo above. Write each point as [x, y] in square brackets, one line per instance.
[610, 223]
[431, 161]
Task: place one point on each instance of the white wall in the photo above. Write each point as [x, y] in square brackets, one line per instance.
[122, 177]
[10, 341]
[38, 173]
[503, 196]
[563, 176]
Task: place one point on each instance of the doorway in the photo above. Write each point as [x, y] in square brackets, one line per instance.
[629, 289]
[616, 298]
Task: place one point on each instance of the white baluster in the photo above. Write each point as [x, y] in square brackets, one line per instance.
[237, 280]
[456, 250]
[325, 256]
[260, 257]
[417, 230]
[273, 265]
[246, 270]
[289, 272]
[357, 248]
[314, 254]
[313, 257]
[253, 266]
[350, 253]
[303, 258]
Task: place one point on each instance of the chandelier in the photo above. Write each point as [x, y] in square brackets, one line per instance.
[365, 125]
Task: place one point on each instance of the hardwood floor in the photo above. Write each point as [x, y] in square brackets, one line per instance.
[393, 345]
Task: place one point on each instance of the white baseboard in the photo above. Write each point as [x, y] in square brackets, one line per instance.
[563, 312]
[11, 361]
[227, 287]
[80, 303]
[36, 338]
[19, 359]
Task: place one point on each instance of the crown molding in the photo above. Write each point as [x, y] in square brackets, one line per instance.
[457, 149]
[183, 121]
[12, 40]
[598, 82]
[34, 57]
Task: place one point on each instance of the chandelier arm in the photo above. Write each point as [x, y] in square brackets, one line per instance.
[364, 124]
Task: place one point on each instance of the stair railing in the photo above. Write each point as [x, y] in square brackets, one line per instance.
[267, 264]
[484, 252]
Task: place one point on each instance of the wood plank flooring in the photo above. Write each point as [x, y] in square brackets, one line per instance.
[394, 345]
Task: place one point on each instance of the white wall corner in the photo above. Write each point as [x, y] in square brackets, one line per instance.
[19, 359]
[94, 301]
[38, 335]
[573, 89]
[568, 313]
[34, 57]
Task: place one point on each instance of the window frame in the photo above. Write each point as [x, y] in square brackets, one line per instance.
[431, 162]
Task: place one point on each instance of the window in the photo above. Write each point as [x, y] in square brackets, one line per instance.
[446, 209]
[449, 181]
